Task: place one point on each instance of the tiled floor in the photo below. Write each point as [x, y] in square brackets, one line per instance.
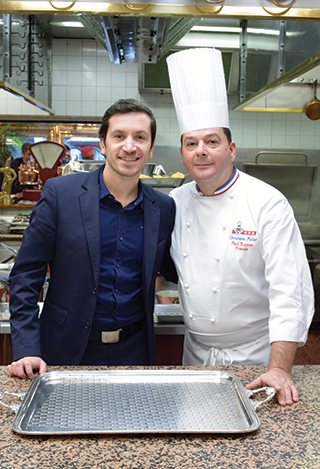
[309, 354]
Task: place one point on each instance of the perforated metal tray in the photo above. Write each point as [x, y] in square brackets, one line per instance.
[136, 401]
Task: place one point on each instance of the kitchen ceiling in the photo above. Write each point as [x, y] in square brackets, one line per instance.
[144, 39]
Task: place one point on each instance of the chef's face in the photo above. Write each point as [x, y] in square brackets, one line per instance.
[208, 157]
[127, 145]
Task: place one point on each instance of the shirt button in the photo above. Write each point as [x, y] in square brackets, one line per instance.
[188, 224]
[217, 258]
[94, 291]
[116, 290]
[117, 266]
[191, 316]
[185, 254]
[87, 325]
[121, 238]
[224, 227]
[116, 313]
[231, 197]
[214, 290]
[186, 286]
[212, 320]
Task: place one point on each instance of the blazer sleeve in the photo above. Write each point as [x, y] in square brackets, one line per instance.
[28, 275]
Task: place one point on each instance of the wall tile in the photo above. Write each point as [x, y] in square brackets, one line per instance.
[59, 47]
[59, 77]
[59, 93]
[88, 93]
[74, 108]
[74, 47]
[74, 78]
[74, 93]
[59, 62]
[74, 63]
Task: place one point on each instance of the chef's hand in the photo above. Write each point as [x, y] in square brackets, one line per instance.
[281, 381]
[25, 367]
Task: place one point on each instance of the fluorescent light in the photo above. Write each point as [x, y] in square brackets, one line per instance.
[68, 24]
[214, 29]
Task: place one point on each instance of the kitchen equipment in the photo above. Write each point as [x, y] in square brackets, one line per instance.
[167, 314]
[312, 108]
[286, 172]
[136, 401]
[148, 169]
[47, 154]
[4, 312]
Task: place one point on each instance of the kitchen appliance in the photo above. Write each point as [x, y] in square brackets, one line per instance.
[136, 401]
[47, 154]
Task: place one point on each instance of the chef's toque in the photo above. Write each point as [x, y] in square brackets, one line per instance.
[198, 89]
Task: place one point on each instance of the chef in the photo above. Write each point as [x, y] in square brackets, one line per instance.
[244, 282]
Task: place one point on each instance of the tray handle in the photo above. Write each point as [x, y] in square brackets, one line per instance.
[267, 389]
[14, 407]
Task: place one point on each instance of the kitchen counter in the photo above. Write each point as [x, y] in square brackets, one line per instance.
[288, 437]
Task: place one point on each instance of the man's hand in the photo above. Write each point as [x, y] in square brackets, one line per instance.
[281, 381]
[278, 375]
[25, 367]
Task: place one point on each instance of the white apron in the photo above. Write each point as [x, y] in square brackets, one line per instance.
[244, 280]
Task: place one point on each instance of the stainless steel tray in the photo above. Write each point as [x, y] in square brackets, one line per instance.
[136, 401]
[167, 313]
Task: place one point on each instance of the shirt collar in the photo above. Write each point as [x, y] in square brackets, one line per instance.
[226, 186]
[104, 191]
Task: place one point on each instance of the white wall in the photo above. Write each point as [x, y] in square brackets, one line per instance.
[85, 83]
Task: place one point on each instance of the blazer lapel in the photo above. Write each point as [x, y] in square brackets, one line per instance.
[151, 219]
[90, 210]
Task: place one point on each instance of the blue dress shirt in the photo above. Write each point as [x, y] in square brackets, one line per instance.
[120, 296]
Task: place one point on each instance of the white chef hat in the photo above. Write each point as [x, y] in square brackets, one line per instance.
[198, 89]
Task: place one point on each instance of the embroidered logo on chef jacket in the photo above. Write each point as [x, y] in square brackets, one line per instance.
[241, 239]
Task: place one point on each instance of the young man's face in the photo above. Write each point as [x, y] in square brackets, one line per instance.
[127, 146]
[26, 156]
[208, 157]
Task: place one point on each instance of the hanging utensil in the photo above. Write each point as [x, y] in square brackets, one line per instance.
[312, 108]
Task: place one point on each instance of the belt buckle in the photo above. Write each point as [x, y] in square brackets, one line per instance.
[110, 337]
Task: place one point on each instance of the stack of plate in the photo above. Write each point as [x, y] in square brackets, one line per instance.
[20, 223]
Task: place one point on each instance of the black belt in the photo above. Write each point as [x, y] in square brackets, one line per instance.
[112, 337]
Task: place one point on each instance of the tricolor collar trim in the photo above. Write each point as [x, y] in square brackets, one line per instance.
[226, 186]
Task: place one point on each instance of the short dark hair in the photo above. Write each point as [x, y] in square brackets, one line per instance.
[25, 147]
[226, 131]
[124, 106]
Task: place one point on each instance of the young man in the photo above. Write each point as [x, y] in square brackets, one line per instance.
[244, 281]
[105, 237]
[24, 159]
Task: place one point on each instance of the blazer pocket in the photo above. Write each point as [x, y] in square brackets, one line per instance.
[58, 315]
[161, 245]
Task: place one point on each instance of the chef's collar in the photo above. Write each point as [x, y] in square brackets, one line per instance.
[104, 191]
[225, 187]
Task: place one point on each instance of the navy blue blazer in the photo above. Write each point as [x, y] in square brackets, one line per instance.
[64, 232]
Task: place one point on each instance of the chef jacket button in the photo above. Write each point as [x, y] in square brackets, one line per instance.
[185, 254]
[188, 224]
[186, 286]
[214, 290]
[94, 291]
[191, 316]
[211, 319]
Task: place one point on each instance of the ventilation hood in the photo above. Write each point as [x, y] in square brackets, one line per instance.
[288, 93]
[136, 39]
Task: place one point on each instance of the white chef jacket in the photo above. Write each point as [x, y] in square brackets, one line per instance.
[244, 279]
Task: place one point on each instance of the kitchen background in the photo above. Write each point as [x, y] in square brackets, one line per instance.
[71, 79]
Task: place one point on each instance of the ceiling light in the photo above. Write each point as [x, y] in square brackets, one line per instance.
[68, 24]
